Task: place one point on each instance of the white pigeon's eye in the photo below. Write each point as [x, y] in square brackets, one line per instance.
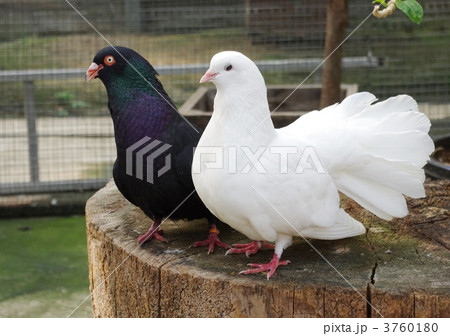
[228, 67]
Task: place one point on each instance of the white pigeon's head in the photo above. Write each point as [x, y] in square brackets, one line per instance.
[231, 68]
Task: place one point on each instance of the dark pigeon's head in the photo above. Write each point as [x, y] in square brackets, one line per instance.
[119, 62]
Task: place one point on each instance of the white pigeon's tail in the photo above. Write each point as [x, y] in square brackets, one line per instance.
[374, 153]
[345, 227]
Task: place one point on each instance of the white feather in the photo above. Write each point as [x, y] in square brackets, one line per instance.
[382, 149]
[344, 227]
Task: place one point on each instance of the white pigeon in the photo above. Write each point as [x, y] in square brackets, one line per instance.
[272, 184]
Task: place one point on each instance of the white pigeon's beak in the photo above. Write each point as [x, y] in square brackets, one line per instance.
[208, 76]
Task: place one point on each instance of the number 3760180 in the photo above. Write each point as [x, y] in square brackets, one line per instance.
[410, 327]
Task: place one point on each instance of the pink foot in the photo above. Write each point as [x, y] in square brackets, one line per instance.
[270, 267]
[153, 232]
[212, 241]
[250, 248]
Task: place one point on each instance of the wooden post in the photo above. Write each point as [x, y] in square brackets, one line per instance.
[30, 114]
[397, 269]
[337, 19]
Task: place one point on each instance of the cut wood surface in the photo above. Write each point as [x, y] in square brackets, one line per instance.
[398, 269]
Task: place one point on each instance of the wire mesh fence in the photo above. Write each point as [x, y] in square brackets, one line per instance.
[55, 129]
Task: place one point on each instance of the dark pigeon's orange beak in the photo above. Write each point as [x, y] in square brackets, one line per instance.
[92, 71]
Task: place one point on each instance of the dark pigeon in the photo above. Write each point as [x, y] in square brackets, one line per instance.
[154, 143]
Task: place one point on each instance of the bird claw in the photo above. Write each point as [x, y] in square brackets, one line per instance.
[249, 249]
[270, 268]
[153, 232]
[212, 241]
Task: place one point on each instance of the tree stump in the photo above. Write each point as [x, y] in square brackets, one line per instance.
[398, 269]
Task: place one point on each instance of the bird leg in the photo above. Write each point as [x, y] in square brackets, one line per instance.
[212, 240]
[153, 232]
[250, 248]
[270, 267]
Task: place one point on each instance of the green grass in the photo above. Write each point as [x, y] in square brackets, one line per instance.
[44, 259]
[36, 49]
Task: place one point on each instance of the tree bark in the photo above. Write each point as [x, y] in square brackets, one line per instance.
[337, 20]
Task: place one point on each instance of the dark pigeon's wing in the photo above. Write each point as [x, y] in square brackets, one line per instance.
[185, 138]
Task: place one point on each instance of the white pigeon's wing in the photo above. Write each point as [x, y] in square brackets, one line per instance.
[374, 153]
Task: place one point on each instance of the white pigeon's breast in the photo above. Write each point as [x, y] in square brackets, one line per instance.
[265, 191]
[218, 191]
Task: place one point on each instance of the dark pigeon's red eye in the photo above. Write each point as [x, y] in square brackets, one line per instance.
[109, 60]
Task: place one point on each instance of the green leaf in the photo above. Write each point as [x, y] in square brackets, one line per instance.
[412, 9]
[380, 2]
